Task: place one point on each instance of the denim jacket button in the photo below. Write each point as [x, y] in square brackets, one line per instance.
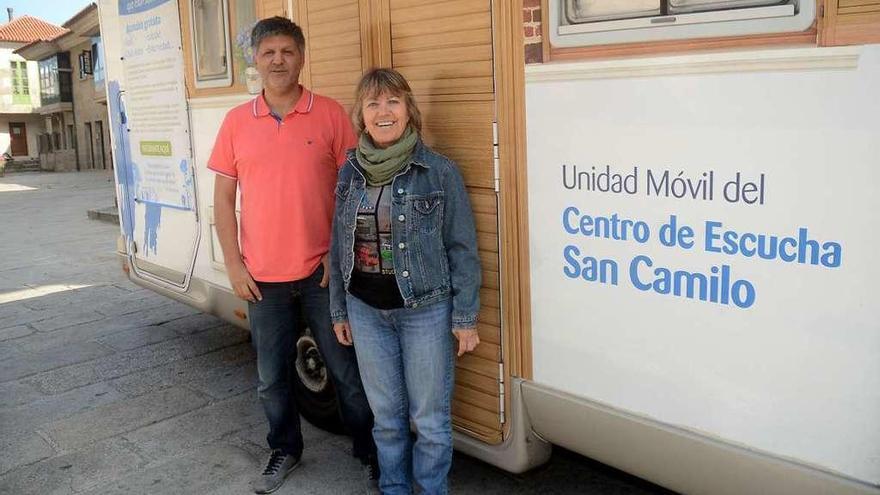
[401, 245]
[400, 191]
[401, 217]
[405, 273]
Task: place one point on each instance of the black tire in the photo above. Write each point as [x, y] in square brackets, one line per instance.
[314, 390]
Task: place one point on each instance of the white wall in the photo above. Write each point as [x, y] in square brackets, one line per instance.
[206, 120]
[6, 56]
[10, 112]
[33, 125]
[797, 373]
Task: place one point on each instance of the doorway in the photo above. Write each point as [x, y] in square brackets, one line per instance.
[18, 145]
[91, 156]
[99, 140]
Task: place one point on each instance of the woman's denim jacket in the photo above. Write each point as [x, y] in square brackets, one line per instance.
[433, 237]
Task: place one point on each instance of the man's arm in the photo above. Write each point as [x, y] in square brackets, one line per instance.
[227, 231]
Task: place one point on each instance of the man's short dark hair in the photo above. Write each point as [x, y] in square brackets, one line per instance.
[277, 26]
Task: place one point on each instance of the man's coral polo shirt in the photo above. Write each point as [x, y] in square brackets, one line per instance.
[286, 171]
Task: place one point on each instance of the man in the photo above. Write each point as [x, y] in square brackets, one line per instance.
[282, 151]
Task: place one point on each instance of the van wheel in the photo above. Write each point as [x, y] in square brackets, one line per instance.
[315, 394]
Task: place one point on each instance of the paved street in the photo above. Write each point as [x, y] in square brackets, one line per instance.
[107, 388]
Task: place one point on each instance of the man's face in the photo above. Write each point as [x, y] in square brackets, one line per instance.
[279, 62]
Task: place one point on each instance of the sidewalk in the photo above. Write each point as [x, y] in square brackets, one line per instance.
[108, 388]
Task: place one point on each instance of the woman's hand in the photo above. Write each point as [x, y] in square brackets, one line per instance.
[343, 332]
[468, 339]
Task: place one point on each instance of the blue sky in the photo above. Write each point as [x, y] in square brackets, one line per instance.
[54, 11]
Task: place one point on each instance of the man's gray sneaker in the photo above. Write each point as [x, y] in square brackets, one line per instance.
[277, 469]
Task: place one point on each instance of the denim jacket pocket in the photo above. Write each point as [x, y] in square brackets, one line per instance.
[427, 213]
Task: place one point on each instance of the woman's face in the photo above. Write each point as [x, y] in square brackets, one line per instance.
[385, 118]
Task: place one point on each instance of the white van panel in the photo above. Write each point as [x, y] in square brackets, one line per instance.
[678, 459]
[151, 140]
[797, 371]
[209, 114]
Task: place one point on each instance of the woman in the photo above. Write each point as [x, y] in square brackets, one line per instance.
[405, 278]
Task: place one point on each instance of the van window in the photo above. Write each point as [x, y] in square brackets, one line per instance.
[578, 11]
[210, 26]
[599, 22]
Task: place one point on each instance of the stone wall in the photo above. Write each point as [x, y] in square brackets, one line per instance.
[58, 161]
[90, 109]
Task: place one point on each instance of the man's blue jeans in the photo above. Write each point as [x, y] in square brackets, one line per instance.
[274, 334]
[407, 366]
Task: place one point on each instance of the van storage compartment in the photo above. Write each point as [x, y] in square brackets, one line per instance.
[580, 11]
[684, 6]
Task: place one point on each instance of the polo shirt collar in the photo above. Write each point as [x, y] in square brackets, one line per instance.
[303, 105]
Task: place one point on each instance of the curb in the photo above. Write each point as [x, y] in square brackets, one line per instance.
[107, 214]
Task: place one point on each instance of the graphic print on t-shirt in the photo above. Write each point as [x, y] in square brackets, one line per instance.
[372, 236]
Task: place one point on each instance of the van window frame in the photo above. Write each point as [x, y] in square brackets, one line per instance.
[645, 30]
[213, 81]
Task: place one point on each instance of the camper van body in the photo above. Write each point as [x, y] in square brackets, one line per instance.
[678, 246]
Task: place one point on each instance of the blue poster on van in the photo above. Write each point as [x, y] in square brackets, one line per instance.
[128, 7]
[155, 99]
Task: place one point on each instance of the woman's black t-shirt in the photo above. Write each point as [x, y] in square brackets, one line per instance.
[372, 279]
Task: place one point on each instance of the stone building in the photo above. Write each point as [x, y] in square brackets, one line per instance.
[73, 99]
[20, 124]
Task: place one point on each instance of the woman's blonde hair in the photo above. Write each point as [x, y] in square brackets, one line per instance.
[378, 81]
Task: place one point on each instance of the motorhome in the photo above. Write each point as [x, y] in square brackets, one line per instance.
[675, 203]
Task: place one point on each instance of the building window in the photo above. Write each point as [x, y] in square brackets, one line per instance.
[98, 62]
[85, 64]
[210, 28]
[55, 79]
[21, 93]
[71, 136]
[65, 79]
[49, 81]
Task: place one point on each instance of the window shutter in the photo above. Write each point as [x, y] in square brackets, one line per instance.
[446, 55]
[333, 46]
[86, 62]
[851, 22]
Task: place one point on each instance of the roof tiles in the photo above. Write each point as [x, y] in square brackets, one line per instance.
[27, 29]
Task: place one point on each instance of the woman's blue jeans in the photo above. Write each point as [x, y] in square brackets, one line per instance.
[407, 364]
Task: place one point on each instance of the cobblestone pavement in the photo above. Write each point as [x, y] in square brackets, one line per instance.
[108, 388]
